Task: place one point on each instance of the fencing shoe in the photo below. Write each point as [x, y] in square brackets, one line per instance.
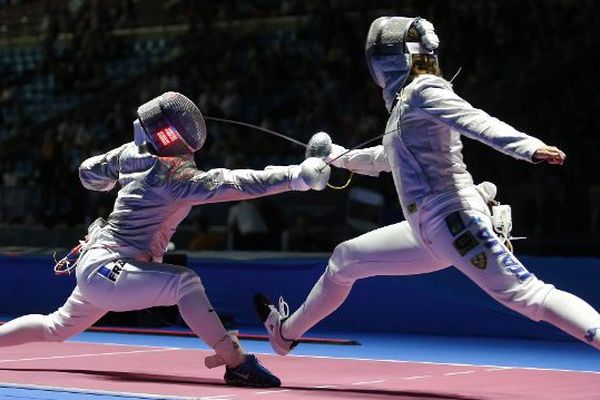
[273, 317]
[251, 373]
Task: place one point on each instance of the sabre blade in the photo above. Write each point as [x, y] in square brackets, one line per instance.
[260, 128]
[290, 139]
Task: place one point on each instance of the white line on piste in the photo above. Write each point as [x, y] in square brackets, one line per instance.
[367, 382]
[126, 344]
[459, 373]
[114, 353]
[272, 391]
[490, 366]
[437, 363]
[324, 387]
[220, 396]
[416, 377]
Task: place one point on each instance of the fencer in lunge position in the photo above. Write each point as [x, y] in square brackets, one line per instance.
[119, 266]
[447, 219]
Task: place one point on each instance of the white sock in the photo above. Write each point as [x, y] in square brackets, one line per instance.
[25, 329]
[573, 315]
[198, 313]
[324, 298]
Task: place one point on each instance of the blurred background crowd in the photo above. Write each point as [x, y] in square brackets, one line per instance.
[72, 73]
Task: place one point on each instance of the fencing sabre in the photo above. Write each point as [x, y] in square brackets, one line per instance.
[299, 143]
[260, 128]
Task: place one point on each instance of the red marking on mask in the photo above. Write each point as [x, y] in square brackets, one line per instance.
[166, 136]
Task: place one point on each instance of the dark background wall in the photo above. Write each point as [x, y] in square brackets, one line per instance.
[73, 74]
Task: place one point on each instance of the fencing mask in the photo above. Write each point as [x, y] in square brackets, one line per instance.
[172, 124]
[389, 54]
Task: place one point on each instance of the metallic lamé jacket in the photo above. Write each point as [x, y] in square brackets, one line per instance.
[424, 149]
[157, 193]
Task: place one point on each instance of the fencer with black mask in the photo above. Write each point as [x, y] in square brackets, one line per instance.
[448, 221]
[119, 266]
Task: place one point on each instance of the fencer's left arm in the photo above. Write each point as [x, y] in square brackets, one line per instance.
[436, 98]
[221, 184]
[101, 172]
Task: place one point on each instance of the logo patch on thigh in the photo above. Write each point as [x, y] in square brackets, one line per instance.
[455, 223]
[465, 243]
[111, 273]
[479, 260]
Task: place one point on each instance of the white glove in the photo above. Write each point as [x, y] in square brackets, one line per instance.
[502, 221]
[313, 173]
[488, 191]
[320, 145]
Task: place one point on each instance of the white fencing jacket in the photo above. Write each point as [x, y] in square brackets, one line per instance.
[424, 150]
[157, 193]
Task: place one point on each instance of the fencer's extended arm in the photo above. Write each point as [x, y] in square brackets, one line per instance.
[435, 97]
[218, 185]
[369, 161]
[101, 172]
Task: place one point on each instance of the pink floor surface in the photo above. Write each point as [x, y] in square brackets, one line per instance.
[179, 373]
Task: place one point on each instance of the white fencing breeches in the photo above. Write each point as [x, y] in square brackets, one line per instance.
[123, 285]
[464, 239]
[391, 250]
[75, 316]
[107, 283]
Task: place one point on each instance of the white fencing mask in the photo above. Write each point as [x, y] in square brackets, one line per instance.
[389, 54]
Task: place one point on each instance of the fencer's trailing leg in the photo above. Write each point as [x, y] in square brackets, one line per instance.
[25, 329]
[573, 315]
[75, 316]
[494, 268]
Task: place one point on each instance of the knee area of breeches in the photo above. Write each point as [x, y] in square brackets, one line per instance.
[342, 253]
[337, 269]
[55, 328]
[189, 282]
[527, 298]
